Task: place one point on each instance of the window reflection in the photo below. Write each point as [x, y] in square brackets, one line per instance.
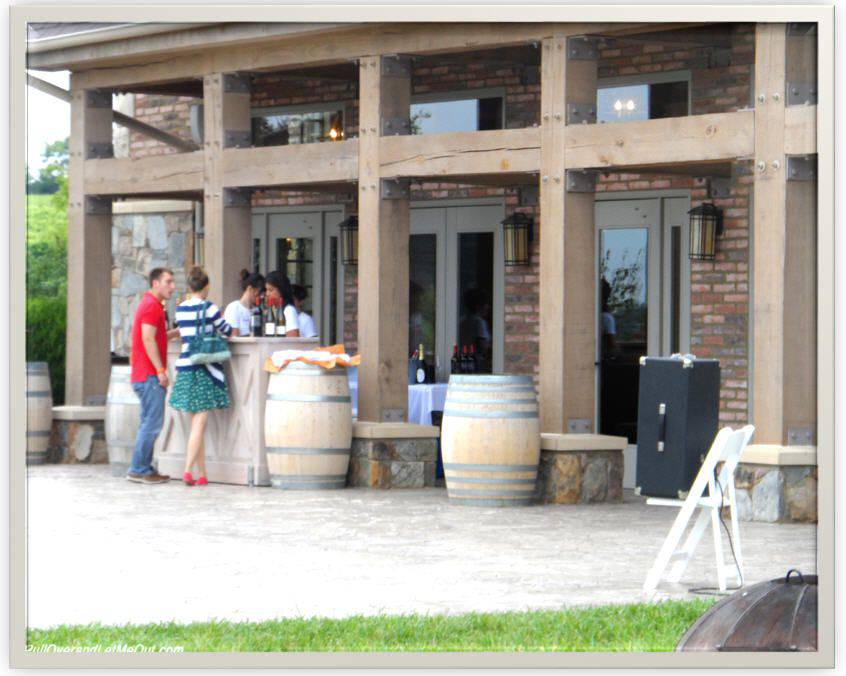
[422, 295]
[474, 114]
[475, 272]
[627, 103]
[280, 129]
[295, 257]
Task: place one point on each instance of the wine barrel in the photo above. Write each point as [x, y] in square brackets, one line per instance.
[39, 412]
[308, 427]
[123, 416]
[490, 440]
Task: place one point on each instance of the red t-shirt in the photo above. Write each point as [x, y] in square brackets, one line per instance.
[150, 311]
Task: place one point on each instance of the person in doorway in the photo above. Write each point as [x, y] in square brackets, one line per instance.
[278, 290]
[239, 313]
[199, 388]
[474, 330]
[306, 323]
[609, 324]
[148, 359]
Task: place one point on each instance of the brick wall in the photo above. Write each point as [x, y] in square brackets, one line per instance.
[721, 81]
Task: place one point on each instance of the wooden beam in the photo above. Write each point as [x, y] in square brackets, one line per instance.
[461, 153]
[279, 166]
[382, 252]
[159, 174]
[676, 140]
[337, 46]
[226, 214]
[89, 255]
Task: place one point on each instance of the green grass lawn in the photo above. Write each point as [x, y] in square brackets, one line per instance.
[613, 628]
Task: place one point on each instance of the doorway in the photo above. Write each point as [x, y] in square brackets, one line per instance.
[643, 301]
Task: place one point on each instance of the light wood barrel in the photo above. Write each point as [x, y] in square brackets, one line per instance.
[39, 412]
[490, 440]
[308, 427]
[123, 416]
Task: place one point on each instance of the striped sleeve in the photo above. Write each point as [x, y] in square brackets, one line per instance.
[218, 322]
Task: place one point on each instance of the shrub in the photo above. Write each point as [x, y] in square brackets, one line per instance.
[46, 319]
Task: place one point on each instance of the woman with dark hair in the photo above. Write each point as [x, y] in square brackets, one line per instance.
[198, 388]
[306, 323]
[239, 313]
[278, 290]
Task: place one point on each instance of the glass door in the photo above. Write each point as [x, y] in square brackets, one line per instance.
[426, 299]
[294, 247]
[629, 312]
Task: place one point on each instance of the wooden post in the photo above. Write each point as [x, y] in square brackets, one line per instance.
[567, 284]
[226, 214]
[383, 231]
[89, 245]
[784, 242]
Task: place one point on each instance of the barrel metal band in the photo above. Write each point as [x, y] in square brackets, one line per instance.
[116, 443]
[481, 502]
[461, 467]
[299, 478]
[38, 393]
[484, 380]
[489, 480]
[486, 402]
[36, 368]
[294, 450]
[325, 398]
[123, 400]
[481, 493]
[501, 388]
[461, 413]
[312, 372]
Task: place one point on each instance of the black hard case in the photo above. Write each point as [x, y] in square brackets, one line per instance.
[689, 388]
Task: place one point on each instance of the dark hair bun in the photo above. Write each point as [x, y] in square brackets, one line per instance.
[244, 274]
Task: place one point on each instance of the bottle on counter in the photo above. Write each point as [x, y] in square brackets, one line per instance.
[270, 318]
[256, 321]
[465, 360]
[421, 372]
[472, 361]
[455, 362]
[412, 368]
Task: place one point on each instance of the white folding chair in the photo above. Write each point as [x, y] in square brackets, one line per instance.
[727, 448]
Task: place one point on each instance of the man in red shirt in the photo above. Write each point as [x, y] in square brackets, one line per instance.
[149, 373]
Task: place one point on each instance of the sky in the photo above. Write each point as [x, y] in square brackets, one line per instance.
[48, 118]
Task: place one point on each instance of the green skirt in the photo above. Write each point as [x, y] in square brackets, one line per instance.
[195, 391]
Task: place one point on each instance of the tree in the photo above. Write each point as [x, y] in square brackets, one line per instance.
[55, 156]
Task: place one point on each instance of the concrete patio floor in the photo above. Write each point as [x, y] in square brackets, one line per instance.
[102, 549]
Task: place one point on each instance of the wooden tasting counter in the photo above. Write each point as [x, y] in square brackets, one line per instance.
[235, 436]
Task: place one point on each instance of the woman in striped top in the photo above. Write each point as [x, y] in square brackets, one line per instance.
[198, 388]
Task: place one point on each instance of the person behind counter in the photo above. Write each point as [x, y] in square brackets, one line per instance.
[277, 288]
[198, 388]
[239, 313]
[306, 323]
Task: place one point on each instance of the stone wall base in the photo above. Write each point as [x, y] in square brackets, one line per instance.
[776, 493]
[78, 441]
[571, 477]
[393, 463]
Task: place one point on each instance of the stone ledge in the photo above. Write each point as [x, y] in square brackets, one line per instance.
[79, 413]
[582, 442]
[773, 454]
[374, 430]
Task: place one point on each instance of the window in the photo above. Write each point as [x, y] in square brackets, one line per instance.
[651, 97]
[295, 125]
[441, 113]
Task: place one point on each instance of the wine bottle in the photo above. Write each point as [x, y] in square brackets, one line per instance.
[412, 368]
[421, 374]
[465, 360]
[281, 329]
[255, 321]
[472, 360]
[455, 362]
[270, 318]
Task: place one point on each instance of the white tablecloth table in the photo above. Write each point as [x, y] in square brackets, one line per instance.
[422, 399]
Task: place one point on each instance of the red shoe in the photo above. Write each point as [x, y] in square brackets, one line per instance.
[202, 481]
[188, 479]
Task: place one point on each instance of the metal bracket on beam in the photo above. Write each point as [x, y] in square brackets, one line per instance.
[719, 57]
[237, 139]
[393, 415]
[97, 206]
[719, 188]
[580, 180]
[583, 48]
[393, 189]
[802, 168]
[581, 113]
[236, 83]
[396, 66]
[97, 98]
[801, 28]
[237, 197]
[529, 195]
[801, 93]
[99, 151]
[800, 436]
[396, 126]
[579, 425]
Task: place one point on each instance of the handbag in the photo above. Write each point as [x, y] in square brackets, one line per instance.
[207, 348]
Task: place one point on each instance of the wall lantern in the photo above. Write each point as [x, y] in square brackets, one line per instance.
[349, 240]
[706, 224]
[517, 231]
